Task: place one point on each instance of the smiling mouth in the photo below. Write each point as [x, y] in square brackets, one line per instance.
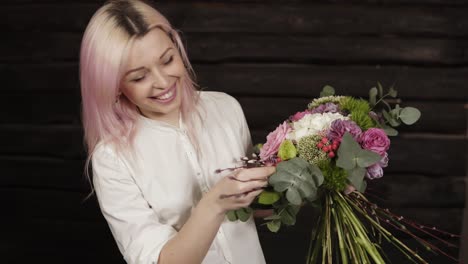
[167, 96]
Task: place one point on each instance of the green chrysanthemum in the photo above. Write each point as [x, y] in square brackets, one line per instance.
[323, 100]
[359, 111]
[308, 150]
[334, 178]
[363, 120]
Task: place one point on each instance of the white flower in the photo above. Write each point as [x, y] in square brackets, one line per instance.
[312, 124]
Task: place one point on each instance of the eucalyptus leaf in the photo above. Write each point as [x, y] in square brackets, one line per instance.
[267, 197]
[273, 217]
[392, 92]
[298, 178]
[373, 96]
[327, 91]
[293, 196]
[231, 215]
[356, 177]
[395, 113]
[244, 214]
[274, 225]
[367, 158]
[409, 115]
[390, 131]
[288, 217]
[347, 153]
[379, 85]
[391, 120]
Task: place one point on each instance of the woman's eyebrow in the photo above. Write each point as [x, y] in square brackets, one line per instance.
[162, 55]
[140, 68]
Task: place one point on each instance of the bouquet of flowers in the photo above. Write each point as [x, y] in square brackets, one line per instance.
[337, 142]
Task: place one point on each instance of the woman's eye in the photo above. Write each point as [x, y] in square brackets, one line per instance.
[138, 79]
[169, 61]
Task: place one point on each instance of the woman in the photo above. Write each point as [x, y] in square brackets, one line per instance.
[154, 143]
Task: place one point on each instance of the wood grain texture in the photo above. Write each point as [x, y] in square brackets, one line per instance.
[266, 79]
[226, 47]
[277, 54]
[308, 18]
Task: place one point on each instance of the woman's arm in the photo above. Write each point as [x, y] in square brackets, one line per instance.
[235, 191]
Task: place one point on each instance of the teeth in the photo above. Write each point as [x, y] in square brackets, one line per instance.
[166, 95]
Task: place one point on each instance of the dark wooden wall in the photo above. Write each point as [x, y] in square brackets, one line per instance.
[273, 57]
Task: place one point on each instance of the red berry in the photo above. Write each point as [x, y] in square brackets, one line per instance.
[326, 148]
[320, 145]
[278, 159]
[331, 154]
[334, 146]
[325, 140]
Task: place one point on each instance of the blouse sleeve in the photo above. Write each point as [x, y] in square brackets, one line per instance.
[135, 226]
[244, 128]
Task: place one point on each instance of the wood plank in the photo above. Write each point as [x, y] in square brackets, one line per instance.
[67, 175]
[40, 173]
[437, 117]
[416, 155]
[309, 18]
[300, 80]
[62, 205]
[289, 80]
[226, 47]
[291, 247]
[430, 156]
[356, 2]
[31, 240]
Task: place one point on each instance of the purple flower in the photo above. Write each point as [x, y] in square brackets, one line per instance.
[340, 127]
[274, 140]
[325, 108]
[299, 115]
[374, 172]
[376, 140]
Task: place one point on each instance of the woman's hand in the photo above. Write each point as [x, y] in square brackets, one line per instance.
[238, 189]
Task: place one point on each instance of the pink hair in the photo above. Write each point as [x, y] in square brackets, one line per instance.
[104, 48]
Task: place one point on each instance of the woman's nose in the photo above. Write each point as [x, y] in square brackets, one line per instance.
[160, 79]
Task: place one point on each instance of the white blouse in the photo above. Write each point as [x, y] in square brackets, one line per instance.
[147, 201]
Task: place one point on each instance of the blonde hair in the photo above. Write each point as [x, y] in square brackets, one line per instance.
[104, 50]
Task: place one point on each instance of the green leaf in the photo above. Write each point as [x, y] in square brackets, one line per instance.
[379, 85]
[273, 217]
[392, 92]
[409, 115]
[392, 121]
[288, 217]
[395, 113]
[274, 225]
[367, 158]
[231, 215]
[298, 178]
[244, 214]
[287, 150]
[390, 131]
[293, 196]
[356, 177]
[347, 153]
[373, 96]
[267, 197]
[327, 91]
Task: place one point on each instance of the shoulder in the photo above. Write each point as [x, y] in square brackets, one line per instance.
[219, 100]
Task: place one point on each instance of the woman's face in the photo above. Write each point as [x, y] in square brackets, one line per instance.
[152, 77]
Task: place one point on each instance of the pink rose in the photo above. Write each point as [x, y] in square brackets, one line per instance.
[299, 115]
[274, 140]
[375, 139]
